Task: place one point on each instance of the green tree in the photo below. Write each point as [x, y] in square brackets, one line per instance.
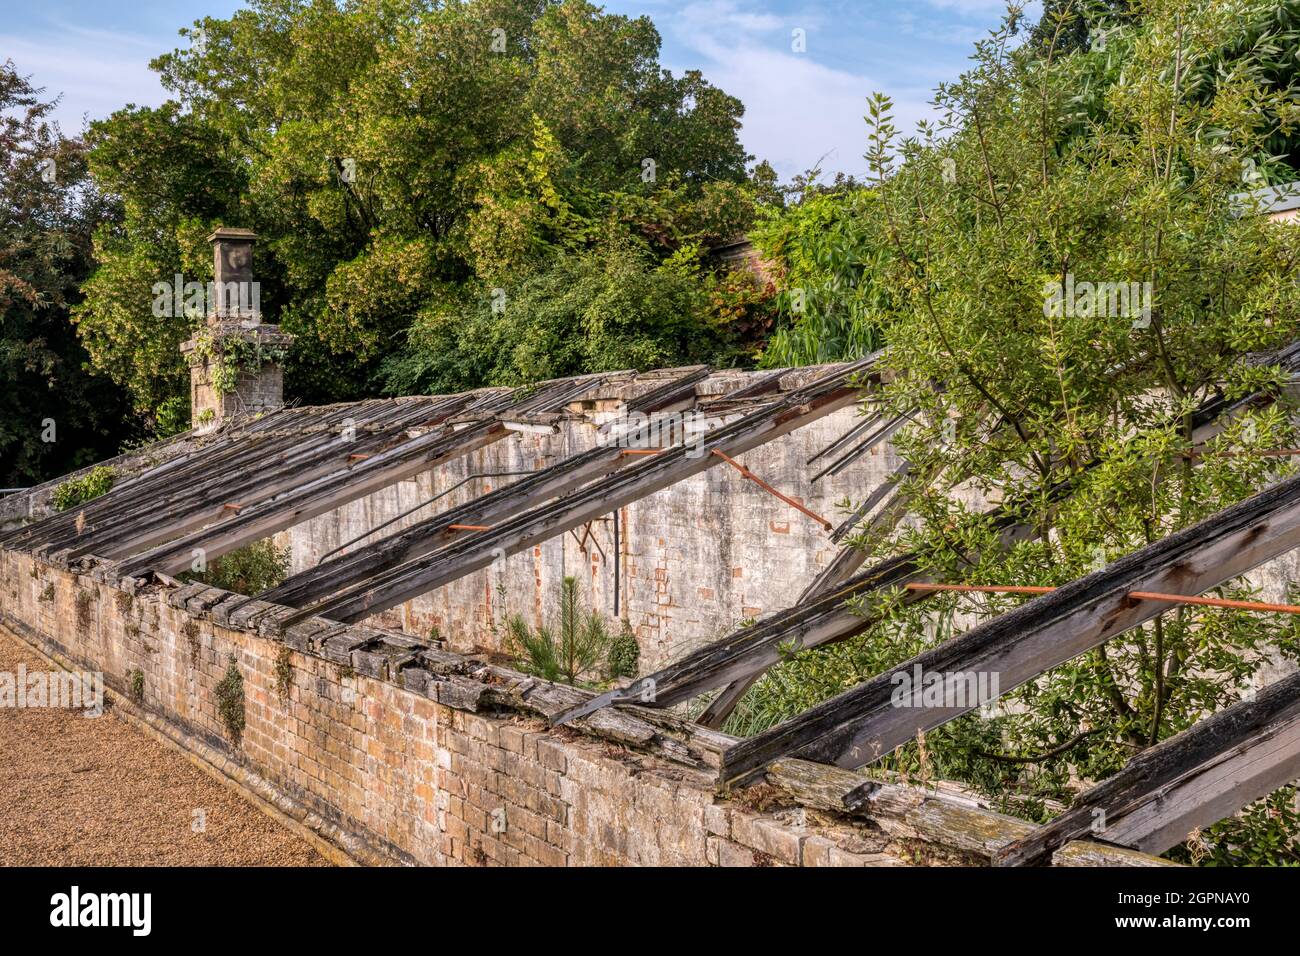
[576, 648]
[607, 309]
[829, 306]
[389, 154]
[989, 215]
[55, 415]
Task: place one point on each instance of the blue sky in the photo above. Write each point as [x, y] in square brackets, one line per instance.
[800, 107]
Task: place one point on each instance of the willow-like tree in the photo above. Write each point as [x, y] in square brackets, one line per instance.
[1011, 197]
[54, 414]
[398, 159]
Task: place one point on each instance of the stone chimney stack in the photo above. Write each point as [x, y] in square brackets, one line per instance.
[236, 361]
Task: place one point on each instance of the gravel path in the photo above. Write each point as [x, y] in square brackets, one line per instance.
[80, 792]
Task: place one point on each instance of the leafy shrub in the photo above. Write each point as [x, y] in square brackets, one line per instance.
[577, 648]
[830, 308]
[1265, 833]
[172, 416]
[230, 700]
[76, 491]
[248, 570]
[624, 654]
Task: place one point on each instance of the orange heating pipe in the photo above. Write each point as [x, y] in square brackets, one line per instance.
[1135, 595]
[752, 477]
[772, 491]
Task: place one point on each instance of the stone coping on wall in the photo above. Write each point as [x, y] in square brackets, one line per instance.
[793, 818]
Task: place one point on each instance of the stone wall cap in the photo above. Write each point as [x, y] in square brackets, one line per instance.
[230, 232]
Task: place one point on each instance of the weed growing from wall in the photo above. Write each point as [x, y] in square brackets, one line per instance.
[283, 672]
[248, 570]
[230, 700]
[85, 601]
[190, 631]
[77, 491]
[624, 653]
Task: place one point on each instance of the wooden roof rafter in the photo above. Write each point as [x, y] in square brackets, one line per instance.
[403, 456]
[861, 725]
[1184, 783]
[260, 473]
[833, 390]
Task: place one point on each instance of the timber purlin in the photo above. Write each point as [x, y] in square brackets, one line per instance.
[939, 812]
[315, 584]
[825, 394]
[346, 481]
[356, 478]
[230, 463]
[419, 539]
[259, 474]
[751, 649]
[678, 391]
[1209, 420]
[208, 470]
[862, 725]
[1150, 778]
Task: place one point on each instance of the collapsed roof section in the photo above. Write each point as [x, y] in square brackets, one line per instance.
[825, 612]
[255, 477]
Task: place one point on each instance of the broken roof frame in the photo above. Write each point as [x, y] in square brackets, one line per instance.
[523, 529]
[814, 620]
[850, 729]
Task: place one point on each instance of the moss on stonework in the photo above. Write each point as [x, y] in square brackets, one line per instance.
[230, 700]
[283, 672]
[85, 601]
[135, 685]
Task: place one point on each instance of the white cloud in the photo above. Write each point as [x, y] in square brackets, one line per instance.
[95, 72]
[797, 110]
[970, 6]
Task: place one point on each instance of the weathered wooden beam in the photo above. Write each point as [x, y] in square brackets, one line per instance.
[1090, 853]
[862, 724]
[834, 576]
[654, 732]
[426, 536]
[223, 473]
[1192, 780]
[179, 469]
[678, 392]
[936, 813]
[749, 651]
[330, 577]
[263, 474]
[653, 473]
[317, 497]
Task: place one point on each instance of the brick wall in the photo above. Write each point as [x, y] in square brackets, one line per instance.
[398, 774]
[697, 558]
